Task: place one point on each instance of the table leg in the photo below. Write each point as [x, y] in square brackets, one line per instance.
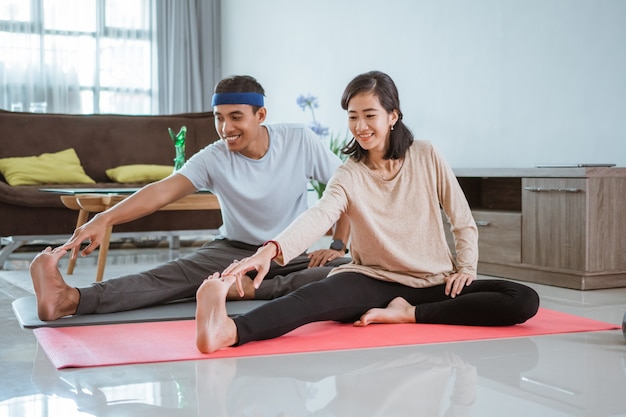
[82, 219]
[102, 255]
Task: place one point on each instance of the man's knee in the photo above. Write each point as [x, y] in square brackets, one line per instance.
[339, 261]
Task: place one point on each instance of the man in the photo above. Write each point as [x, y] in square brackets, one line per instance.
[259, 174]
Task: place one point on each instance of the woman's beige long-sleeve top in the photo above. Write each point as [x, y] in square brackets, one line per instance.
[397, 230]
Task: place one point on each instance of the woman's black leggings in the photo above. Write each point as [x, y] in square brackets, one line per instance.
[345, 297]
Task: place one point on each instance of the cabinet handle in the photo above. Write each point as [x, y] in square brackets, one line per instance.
[559, 190]
[482, 223]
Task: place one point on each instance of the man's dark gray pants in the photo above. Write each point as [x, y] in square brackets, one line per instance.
[180, 279]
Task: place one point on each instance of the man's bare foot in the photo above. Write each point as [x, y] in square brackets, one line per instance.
[214, 329]
[55, 298]
[248, 290]
[397, 311]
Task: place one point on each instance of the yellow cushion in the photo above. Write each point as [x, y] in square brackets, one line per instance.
[139, 173]
[48, 168]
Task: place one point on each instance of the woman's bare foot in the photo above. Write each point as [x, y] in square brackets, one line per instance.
[214, 329]
[397, 311]
[55, 298]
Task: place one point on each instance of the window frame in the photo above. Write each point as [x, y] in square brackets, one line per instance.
[36, 27]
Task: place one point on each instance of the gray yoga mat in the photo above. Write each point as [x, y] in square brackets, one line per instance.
[25, 310]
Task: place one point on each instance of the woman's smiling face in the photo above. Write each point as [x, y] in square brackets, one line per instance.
[369, 122]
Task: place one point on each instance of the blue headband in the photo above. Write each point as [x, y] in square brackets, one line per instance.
[253, 99]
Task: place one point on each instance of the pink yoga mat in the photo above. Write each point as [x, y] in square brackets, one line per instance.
[118, 344]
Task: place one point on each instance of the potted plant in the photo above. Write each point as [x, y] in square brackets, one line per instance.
[337, 142]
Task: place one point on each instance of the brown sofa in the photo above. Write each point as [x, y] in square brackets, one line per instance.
[101, 142]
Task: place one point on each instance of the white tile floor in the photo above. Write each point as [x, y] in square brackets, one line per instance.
[580, 374]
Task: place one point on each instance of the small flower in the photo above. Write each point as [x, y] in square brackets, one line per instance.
[319, 129]
[309, 101]
[336, 142]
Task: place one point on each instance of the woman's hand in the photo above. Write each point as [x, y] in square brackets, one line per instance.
[456, 282]
[320, 257]
[260, 262]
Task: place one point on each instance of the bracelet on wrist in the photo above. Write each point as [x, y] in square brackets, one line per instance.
[277, 247]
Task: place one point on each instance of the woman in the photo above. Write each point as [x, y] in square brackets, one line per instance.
[392, 188]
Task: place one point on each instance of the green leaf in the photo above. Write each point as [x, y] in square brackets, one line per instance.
[318, 187]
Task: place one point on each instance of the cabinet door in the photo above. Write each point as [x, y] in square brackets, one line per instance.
[554, 222]
[499, 236]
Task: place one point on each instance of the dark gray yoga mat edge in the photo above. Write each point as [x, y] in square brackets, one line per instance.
[25, 310]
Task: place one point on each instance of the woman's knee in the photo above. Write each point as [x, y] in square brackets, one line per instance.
[523, 301]
[520, 303]
[528, 302]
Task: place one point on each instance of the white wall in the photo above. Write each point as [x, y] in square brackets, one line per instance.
[492, 83]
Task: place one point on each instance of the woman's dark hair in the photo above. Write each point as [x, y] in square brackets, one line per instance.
[240, 84]
[383, 87]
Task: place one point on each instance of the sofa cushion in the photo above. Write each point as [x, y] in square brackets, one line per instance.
[48, 168]
[143, 173]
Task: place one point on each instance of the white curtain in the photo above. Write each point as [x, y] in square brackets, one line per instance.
[108, 56]
[32, 79]
[188, 41]
[76, 56]
[39, 89]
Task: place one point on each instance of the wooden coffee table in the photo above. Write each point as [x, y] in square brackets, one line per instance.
[96, 203]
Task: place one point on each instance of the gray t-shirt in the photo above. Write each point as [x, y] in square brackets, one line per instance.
[261, 197]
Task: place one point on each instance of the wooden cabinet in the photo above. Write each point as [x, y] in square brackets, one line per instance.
[557, 226]
[500, 236]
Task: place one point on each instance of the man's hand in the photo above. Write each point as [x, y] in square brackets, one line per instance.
[456, 282]
[92, 231]
[320, 257]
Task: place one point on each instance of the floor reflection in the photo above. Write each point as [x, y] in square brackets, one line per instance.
[434, 379]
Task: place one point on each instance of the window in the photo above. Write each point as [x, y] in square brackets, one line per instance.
[77, 56]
